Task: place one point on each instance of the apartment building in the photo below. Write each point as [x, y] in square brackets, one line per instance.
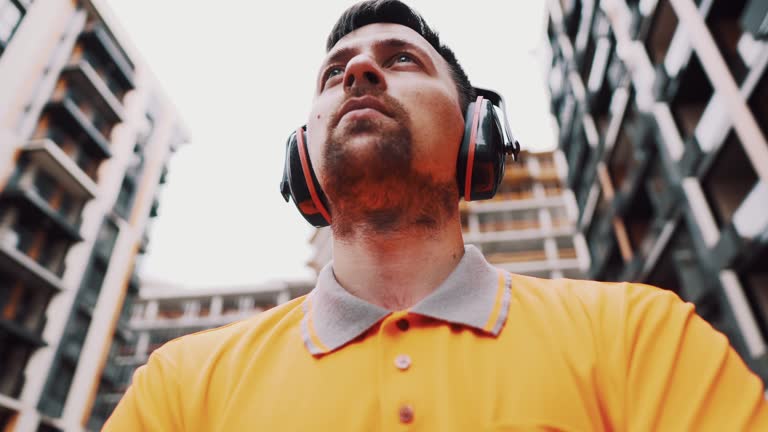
[529, 227]
[166, 311]
[85, 138]
[662, 108]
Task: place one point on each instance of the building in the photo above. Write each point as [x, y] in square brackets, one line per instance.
[85, 138]
[662, 108]
[164, 311]
[529, 227]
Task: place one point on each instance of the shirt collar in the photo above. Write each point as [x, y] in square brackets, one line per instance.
[475, 294]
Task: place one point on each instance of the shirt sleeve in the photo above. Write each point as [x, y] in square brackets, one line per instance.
[682, 374]
[152, 402]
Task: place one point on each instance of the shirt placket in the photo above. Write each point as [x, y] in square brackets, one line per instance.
[402, 405]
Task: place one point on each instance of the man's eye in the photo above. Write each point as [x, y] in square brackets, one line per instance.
[404, 58]
[334, 71]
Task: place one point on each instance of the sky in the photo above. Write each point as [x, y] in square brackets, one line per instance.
[242, 76]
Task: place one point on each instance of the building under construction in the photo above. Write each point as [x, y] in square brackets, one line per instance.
[662, 108]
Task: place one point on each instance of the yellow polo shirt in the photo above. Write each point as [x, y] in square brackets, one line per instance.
[486, 351]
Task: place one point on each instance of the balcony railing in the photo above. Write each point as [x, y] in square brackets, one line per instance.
[98, 41]
[68, 116]
[21, 333]
[25, 268]
[46, 217]
[49, 156]
[82, 76]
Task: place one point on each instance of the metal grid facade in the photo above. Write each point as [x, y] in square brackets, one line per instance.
[662, 109]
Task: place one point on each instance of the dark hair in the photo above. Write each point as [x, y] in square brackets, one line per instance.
[397, 12]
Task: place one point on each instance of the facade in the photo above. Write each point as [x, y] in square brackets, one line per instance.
[164, 312]
[662, 108]
[85, 137]
[529, 227]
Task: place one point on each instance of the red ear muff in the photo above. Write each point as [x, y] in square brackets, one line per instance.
[300, 183]
[481, 159]
[471, 149]
[308, 174]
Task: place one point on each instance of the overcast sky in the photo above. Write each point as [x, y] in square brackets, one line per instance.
[242, 75]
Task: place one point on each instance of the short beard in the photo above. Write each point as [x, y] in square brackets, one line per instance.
[375, 190]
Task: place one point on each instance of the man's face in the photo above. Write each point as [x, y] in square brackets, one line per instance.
[386, 110]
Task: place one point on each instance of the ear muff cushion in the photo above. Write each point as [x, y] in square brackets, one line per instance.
[309, 178]
[471, 148]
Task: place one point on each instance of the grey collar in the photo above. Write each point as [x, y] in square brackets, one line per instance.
[475, 294]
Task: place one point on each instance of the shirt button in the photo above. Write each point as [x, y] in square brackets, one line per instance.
[406, 414]
[403, 324]
[403, 361]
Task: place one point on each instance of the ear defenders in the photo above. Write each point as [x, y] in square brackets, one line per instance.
[479, 166]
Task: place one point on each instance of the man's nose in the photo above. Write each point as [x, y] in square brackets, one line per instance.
[362, 71]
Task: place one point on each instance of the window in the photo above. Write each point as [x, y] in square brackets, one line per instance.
[106, 239]
[11, 13]
[52, 258]
[170, 309]
[45, 185]
[5, 418]
[55, 395]
[125, 198]
[30, 311]
[26, 236]
[6, 286]
[14, 355]
[89, 292]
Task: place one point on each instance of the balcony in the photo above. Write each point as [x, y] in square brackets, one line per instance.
[34, 207]
[21, 333]
[48, 156]
[25, 268]
[82, 76]
[98, 41]
[69, 117]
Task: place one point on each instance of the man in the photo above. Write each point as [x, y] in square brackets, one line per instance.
[408, 329]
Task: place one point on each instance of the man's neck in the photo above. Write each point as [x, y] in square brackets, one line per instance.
[397, 271]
